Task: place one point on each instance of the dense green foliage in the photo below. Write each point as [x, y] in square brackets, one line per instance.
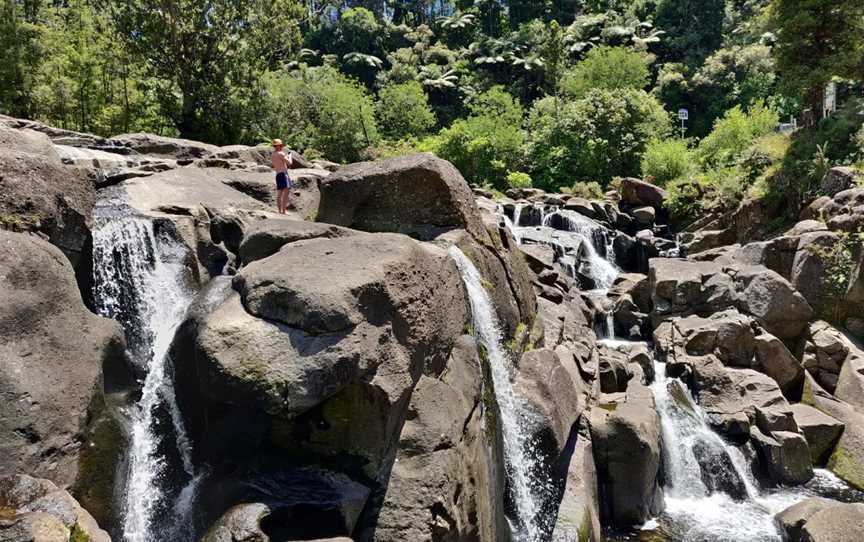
[513, 92]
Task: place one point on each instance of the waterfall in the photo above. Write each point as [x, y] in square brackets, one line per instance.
[520, 458]
[602, 270]
[711, 494]
[139, 281]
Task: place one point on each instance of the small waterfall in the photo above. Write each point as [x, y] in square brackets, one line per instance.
[711, 494]
[602, 270]
[517, 214]
[139, 281]
[520, 458]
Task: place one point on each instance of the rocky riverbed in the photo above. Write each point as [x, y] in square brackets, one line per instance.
[401, 357]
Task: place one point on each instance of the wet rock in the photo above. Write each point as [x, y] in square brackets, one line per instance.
[717, 471]
[554, 391]
[419, 195]
[61, 365]
[581, 206]
[240, 523]
[578, 516]
[821, 431]
[36, 510]
[792, 520]
[850, 382]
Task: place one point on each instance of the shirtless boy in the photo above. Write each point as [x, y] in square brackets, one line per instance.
[281, 164]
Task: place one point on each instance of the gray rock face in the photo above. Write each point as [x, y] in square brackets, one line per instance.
[822, 520]
[38, 193]
[786, 455]
[821, 431]
[775, 360]
[240, 523]
[626, 445]
[686, 287]
[36, 510]
[645, 216]
[54, 357]
[448, 448]
[847, 459]
[727, 334]
[264, 238]
[578, 515]
[825, 352]
[419, 195]
[639, 193]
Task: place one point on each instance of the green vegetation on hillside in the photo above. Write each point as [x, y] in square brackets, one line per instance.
[555, 94]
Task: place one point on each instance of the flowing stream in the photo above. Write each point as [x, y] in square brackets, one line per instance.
[139, 281]
[520, 457]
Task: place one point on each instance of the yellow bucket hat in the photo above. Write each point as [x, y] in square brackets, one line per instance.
[278, 143]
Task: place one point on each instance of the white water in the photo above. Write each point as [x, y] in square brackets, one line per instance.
[692, 511]
[520, 458]
[601, 270]
[139, 281]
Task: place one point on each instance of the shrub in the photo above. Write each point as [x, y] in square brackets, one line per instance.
[403, 110]
[589, 190]
[518, 179]
[486, 145]
[594, 138]
[733, 133]
[606, 68]
[667, 160]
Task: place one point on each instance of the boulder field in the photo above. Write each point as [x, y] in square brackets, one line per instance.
[329, 372]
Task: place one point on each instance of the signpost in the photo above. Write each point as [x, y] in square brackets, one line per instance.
[683, 115]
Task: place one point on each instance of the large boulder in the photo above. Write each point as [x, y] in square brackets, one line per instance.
[36, 510]
[770, 298]
[317, 352]
[821, 431]
[264, 238]
[825, 351]
[821, 520]
[38, 193]
[847, 458]
[56, 361]
[626, 446]
[838, 179]
[639, 193]
[419, 195]
[775, 360]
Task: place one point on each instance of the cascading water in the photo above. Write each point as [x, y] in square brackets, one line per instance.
[601, 269]
[520, 458]
[139, 281]
[710, 493]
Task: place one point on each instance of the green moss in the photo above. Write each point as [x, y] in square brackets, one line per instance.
[78, 534]
[846, 467]
[488, 285]
[469, 329]
[518, 344]
[584, 528]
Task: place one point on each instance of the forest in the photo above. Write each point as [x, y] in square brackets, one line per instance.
[563, 95]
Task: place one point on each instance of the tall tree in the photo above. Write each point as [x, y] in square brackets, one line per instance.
[818, 40]
[694, 29]
[209, 53]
